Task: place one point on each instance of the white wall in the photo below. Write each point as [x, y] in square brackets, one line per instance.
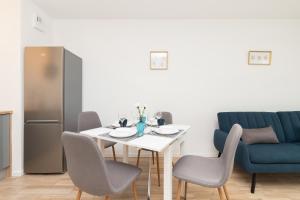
[10, 67]
[208, 70]
[17, 32]
[31, 36]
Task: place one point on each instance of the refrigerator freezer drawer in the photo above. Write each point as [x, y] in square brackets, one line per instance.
[43, 151]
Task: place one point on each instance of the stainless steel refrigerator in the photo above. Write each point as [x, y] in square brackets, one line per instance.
[52, 102]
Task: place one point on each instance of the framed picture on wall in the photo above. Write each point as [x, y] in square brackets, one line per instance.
[259, 57]
[159, 60]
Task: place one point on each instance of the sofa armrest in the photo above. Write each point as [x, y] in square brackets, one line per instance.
[220, 139]
[242, 153]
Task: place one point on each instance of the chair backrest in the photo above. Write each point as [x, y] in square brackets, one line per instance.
[88, 120]
[167, 116]
[86, 164]
[227, 157]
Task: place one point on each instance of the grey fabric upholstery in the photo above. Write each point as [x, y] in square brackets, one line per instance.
[260, 136]
[210, 172]
[89, 120]
[90, 172]
[167, 116]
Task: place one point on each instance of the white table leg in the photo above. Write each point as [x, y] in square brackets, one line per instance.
[168, 173]
[149, 179]
[125, 153]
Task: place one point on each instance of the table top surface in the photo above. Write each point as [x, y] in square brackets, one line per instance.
[150, 141]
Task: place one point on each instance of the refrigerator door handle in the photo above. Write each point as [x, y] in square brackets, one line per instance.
[41, 121]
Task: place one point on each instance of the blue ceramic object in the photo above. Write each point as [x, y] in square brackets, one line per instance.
[140, 126]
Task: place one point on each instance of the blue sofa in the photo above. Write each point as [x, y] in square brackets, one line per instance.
[264, 158]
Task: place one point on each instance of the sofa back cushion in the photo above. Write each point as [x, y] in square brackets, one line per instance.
[251, 120]
[291, 125]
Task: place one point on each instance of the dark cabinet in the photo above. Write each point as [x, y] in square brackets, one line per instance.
[5, 144]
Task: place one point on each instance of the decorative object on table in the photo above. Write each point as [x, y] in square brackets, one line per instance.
[123, 122]
[259, 57]
[160, 122]
[159, 60]
[140, 127]
[142, 119]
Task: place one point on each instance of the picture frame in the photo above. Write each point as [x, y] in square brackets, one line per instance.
[259, 57]
[158, 60]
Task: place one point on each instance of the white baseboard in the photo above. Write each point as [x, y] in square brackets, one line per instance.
[17, 173]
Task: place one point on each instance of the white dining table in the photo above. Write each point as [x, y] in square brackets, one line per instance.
[155, 142]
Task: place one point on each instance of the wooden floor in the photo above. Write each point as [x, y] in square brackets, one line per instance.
[59, 187]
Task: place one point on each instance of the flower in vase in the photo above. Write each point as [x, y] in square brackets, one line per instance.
[141, 110]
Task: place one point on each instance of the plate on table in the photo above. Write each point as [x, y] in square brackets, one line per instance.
[129, 124]
[123, 132]
[166, 130]
[103, 130]
[97, 131]
[147, 130]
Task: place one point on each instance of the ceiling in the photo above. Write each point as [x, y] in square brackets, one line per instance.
[171, 9]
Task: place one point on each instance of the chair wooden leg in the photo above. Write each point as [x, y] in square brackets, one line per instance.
[138, 158]
[221, 193]
[226, 192]
[158, 171]
[178, 190]
[152, 157]
[78, 195]
[133, 188]
[185, 189]
[106, 197]
[114, 152]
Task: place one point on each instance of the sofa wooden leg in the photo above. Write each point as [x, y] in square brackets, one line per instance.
[219, 154]
[253, 184]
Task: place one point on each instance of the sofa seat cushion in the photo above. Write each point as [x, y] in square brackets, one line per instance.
[283, 153]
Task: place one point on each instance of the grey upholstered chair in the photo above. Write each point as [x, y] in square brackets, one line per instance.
[91, 173]
[209, 172]
[89, 120]
[167, 116]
